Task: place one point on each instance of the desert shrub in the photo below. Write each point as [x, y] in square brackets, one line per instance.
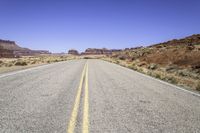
[171, 80]
[20, 63]
[157, 76]
[190, 47]
[33, 62]
[182, 73]
[48, 61]
[8, 64]
[63, 59]
[1, 63]
[122, 57]
[149, 73]
[142, 64]
[159, 46]
[117, 62]
[133, 66]
[87, 57]
[140, 70]
[196, 66]
[198, 86]
[152, 66]
[171, 68]
[55, 60]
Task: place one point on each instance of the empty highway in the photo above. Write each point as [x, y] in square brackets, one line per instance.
[82, 96]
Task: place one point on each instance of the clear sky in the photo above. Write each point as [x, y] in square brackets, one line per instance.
[58, 25]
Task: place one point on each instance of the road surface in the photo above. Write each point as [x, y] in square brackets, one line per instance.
[94, 96]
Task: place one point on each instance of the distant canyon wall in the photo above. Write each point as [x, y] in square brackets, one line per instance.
[10, 49]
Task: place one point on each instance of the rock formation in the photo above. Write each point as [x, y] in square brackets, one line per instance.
[73, 52]
[6, 53]
[11, 49]
[94, 51]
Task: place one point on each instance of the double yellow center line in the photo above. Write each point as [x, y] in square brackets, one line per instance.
[73, 118]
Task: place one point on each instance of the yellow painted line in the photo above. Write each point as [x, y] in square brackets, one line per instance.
[72, 122]
[85, 128]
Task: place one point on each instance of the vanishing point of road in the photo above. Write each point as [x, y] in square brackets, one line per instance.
[82, 96]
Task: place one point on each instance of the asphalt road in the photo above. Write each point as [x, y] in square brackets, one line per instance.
[93, 96]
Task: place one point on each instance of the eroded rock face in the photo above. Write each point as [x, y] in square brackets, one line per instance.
[73, 52]
[6, 53]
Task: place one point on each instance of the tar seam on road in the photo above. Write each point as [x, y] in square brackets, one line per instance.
[73, 117]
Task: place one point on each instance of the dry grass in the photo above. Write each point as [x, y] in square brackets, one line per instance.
[178, 64]
[10, 64]
[159, 72]
[176, 61]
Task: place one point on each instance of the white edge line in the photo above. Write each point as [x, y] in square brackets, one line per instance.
[161, 81]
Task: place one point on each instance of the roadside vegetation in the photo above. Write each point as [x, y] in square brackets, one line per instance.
[176, 61]
[9, 64]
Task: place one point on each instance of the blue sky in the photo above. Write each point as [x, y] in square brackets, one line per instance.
[58, 25]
